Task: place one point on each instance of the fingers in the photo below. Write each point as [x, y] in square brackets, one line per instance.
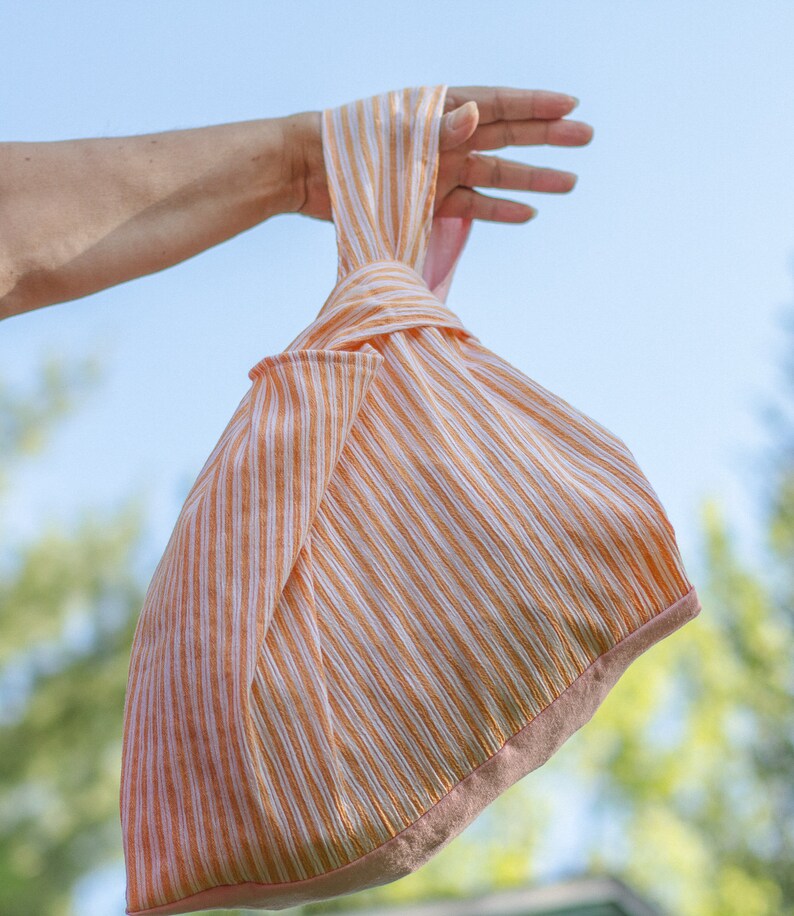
[529, 133]
[503, 103]
[486, 118]
[494, 172]
[473, 205]
[510, 133]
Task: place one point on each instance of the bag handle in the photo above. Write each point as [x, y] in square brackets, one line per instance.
[381, 160]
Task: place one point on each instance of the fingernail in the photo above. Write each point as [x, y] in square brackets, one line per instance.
[460, 115]
[574, 100]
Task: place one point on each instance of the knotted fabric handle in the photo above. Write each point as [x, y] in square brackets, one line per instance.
[381, 157]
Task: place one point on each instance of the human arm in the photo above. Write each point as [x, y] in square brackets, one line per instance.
[78, 216]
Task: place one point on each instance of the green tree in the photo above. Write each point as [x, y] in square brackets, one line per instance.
[693, 758]
[694, 755]
[68, 608]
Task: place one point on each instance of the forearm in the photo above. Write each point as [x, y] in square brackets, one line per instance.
[77, 216]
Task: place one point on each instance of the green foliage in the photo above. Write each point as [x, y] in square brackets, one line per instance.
[678, 751]
[68, 607]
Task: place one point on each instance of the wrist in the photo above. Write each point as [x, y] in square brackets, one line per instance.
[304, 155]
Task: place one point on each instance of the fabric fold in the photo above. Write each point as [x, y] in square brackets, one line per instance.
[302, 410]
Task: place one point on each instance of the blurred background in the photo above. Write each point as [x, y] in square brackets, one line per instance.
[657, 297]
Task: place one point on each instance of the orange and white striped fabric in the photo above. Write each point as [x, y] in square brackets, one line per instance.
[405, 576]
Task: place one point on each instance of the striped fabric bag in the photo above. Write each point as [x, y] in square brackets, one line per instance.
[404, 577]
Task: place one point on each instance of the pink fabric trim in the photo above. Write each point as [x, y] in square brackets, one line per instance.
[448, 237]
[525, 751]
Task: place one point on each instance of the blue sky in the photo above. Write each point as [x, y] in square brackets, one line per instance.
[651, 297]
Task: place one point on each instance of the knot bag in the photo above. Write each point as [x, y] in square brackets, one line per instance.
[404, 577]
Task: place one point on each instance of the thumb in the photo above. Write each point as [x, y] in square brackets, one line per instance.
[458, 125]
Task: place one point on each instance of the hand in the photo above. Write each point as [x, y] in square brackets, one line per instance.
[490, 118]
[487, 118]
